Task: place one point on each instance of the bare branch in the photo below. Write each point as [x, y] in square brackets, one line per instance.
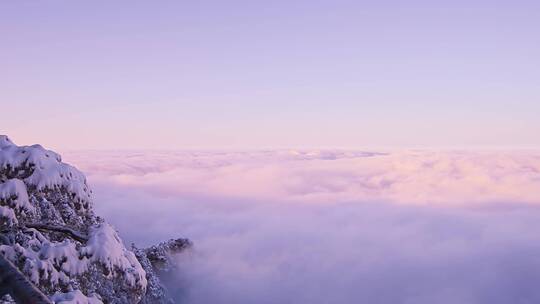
[76, 235]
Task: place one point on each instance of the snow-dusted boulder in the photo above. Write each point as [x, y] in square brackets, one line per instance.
[49, 231]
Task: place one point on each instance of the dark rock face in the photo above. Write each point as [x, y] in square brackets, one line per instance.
[49, 231]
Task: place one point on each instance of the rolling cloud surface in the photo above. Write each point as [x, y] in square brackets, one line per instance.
[408, 227]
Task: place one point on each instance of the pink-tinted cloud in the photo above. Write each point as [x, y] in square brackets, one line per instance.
[410, 177]
[332, 227]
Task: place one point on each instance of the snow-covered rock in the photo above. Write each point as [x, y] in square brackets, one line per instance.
[105, 247]
[49, 231]
[158, 261]
[43, 169]
[13, 192]
[75, 297]
[7, 217]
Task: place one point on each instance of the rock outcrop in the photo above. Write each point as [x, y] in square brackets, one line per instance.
[48, 230]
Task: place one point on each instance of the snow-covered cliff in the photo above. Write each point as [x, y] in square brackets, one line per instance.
[49, 231]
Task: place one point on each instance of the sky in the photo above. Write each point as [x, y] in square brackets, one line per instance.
[270, 74]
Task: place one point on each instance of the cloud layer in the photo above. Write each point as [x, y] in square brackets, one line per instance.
[332, 226]
[325, 176]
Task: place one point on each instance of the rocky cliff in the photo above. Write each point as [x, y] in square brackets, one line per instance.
[49, 231]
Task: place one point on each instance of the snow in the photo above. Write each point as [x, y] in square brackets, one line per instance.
[106, 247]
[8, 216]
[13, 191]
[5, 141]
[35, 181]
[75, 297]
[48, 171]
[56, 262]
[53, 261]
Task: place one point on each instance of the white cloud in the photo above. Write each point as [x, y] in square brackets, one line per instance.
[333, 227]
[327, 176]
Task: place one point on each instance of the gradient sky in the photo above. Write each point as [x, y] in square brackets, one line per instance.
[253, 74]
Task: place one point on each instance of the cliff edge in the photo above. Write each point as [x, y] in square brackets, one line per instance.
[48, 230]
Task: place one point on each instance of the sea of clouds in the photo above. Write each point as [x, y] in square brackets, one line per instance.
[411, 227]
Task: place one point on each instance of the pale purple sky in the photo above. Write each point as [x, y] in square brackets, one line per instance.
[252, 74]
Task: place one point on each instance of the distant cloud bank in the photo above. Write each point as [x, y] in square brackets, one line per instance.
[411, 227]
[412, 177]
